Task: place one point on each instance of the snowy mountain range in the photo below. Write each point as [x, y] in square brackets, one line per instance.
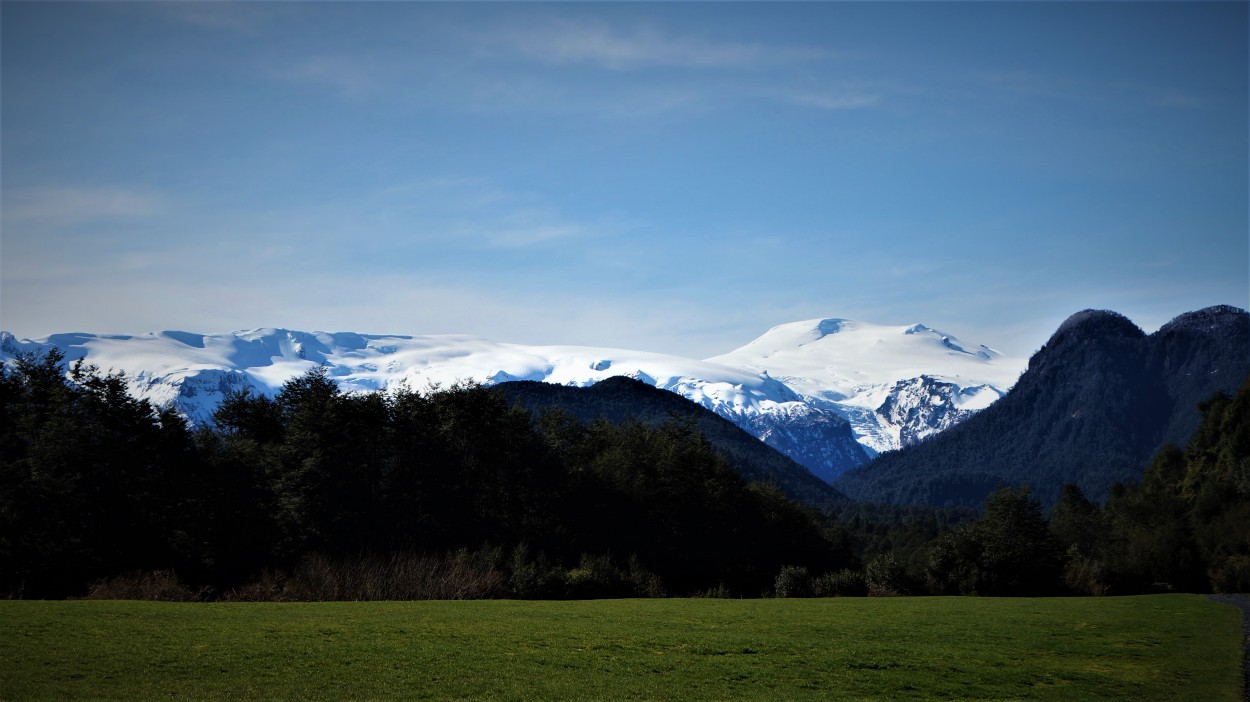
[829, 392]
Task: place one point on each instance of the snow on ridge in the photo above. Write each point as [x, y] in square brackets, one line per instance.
[840, 355]
[796, 387]
[894, 384]
[268, 357]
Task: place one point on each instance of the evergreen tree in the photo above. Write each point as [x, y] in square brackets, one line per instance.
[1008, 551]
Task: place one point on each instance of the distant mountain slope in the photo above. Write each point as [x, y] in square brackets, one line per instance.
[619, 399]
[1095, 403]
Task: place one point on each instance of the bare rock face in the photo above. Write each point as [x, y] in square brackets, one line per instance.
[924, 406]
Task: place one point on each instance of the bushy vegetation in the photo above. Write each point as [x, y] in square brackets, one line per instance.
[318, 494]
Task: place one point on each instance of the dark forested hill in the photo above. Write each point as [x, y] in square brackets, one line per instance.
[619, 399]
[322, 494]
[1097, 401]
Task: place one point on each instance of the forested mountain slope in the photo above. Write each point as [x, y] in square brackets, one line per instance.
[620, 399]
[1097, 401]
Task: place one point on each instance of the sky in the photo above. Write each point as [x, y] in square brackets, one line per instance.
[668, 177]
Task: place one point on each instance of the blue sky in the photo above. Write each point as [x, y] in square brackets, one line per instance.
[668, 177]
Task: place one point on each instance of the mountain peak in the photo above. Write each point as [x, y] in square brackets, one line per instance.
[1097, 323]
[1207, 319]
[853, 365]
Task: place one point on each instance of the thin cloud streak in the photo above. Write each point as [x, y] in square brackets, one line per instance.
[601, 45]
[65, 206]
[350, 77]
[836, 101]
[480, 74]
[1032, 84]
[469, 212]
[233, 16]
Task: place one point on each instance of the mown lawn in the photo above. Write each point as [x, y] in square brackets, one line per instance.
[1165, 647]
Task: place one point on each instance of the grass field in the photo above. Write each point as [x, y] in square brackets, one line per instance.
[1167, 647]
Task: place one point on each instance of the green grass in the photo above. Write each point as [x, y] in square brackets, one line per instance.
[1165, 647]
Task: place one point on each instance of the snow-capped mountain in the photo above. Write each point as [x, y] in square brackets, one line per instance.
[821, 392]
[195, 371]
[895, 384]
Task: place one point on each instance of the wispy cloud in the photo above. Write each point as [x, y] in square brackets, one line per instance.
[1026, 83]
[599, 44]
[465, 218]
[520, 68]
[349, 76]
[835, 100]
[234, 16]
[64, 206]
[526, 234]
[534, 92]
[1181, 100]
[1030, 84]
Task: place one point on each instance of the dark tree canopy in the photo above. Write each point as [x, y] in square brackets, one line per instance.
[459, 492]
[94, 483]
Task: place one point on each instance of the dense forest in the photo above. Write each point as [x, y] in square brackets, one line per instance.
[461, 492]
[1185, 525]
[96, 484]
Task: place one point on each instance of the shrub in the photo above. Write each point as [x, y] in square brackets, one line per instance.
[793, 581]
[720, 592]
[596, 577]
[843, 583]
[1233, 575]
[1083, 574]
[269, 587]
[534, 579]
[402, 576]
[158, 585]
[885, 577]
[645, 583]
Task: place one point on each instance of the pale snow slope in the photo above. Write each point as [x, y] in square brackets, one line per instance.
[895, 384]
[193, 371]
[821, 391]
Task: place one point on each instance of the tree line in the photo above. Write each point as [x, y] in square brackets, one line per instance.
[455, 492]
[314, 484]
